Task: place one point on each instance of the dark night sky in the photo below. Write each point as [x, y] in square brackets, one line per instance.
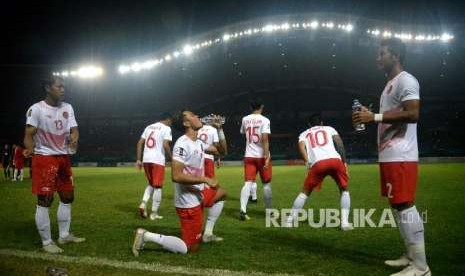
[40, 36]
[56, 32]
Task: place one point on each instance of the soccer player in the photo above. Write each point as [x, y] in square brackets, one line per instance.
[18, 162]
[209, 135]
[322, 149]
[6, 161]
[257, 158]
[155, 140]
[398, 152]
[191, 197]
[51, 131]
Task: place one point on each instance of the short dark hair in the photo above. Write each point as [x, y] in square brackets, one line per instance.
[315, 119]
[255, 104]
[166, 116]
[178, 119]
[49, 81]
[396, 47]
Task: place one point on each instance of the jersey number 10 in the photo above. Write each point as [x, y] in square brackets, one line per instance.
[317, 139]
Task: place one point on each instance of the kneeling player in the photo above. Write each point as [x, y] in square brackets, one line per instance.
[191, 194]
[322, 149]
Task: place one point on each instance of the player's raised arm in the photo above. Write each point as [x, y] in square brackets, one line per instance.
[221, 146]
[139, 147]
[28, 140]
[409, 114]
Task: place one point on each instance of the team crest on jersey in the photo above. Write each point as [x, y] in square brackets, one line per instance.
[179, 151]
[65, 115]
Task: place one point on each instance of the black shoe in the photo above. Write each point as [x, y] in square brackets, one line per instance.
[253, 201]
[243, 216]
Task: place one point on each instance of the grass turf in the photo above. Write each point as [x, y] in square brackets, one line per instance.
[107, 199]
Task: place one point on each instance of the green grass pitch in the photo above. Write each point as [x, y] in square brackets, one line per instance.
[105, 212]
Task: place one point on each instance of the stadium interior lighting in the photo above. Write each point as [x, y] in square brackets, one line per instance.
[314, 24]
[90, 72]
[188, 49]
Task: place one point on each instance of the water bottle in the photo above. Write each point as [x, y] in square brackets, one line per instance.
[208, 120]
[357, 106]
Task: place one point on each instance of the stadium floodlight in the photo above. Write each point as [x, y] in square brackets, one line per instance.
[226, 37]
[73, 73]
[349, 27]
[123, 69]
[387, 34]
[136, 67]
[420, 37]
[168, 57]
[330, 25]
[446, 37]
[314, 24]
[268, 28]
[64, 74]
[90, 72]
[187, 50]
[285, 26]
[148, 64]
[375, 32]
[176, 54]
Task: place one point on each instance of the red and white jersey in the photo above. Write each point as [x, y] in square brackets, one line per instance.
[254, 126]
[191, 154]
[18, 155]
[398, 142]
[208, 135]
[154, 135]
[319, 143]
[53, 125]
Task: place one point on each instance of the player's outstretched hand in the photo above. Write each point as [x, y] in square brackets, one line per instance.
[139, 165]
[362, 117]
[216, 123]
[27, 153]
[212, 182]
[267, 162]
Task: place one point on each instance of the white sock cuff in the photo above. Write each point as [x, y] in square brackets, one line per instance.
[303, 196]
[42, 208]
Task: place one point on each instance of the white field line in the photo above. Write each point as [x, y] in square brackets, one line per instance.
[133, 265]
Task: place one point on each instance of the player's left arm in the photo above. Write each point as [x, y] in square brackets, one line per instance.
[266, 148]
[29, 140]
[74, 136]
[339, 145]
[409, 114]
[303, 152]
[166, 147]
